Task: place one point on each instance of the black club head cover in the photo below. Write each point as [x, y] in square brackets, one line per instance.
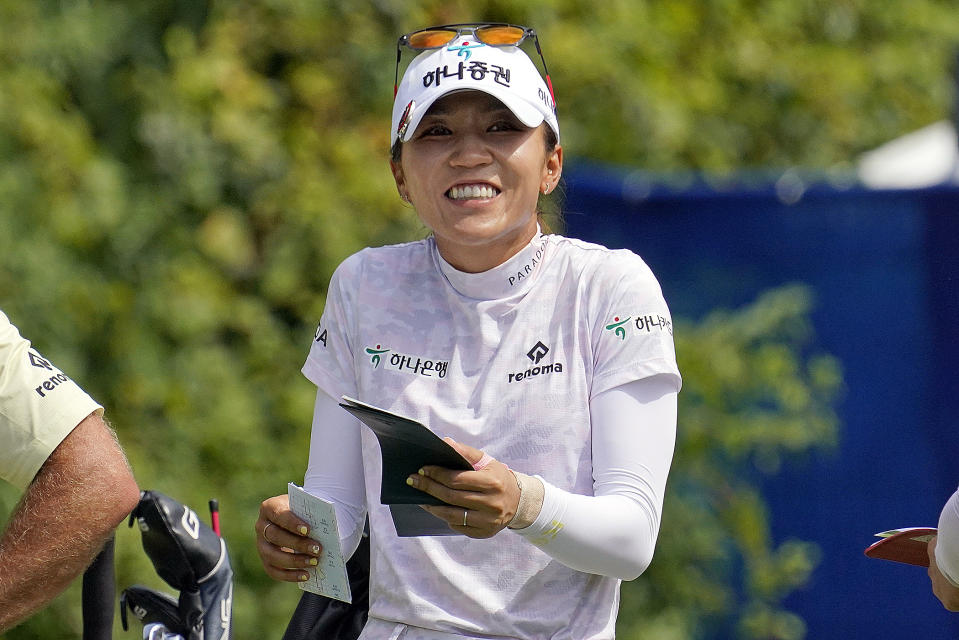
[149, 606]
[191, 558]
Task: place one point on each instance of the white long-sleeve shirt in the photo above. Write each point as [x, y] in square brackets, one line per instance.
[558, 363]
[612, 532]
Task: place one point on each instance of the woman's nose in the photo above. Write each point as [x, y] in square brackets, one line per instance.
[469, 151]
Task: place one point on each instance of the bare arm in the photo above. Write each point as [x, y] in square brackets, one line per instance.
[79, 496]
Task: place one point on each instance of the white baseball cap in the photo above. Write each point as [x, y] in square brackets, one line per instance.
[506, 73]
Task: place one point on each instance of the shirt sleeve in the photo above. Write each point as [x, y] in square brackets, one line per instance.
[632, 327]
[329, 364]
[335, 469]
[947, 542]
[39, 406]
[614, 531]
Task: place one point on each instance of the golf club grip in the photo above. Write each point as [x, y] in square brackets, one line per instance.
[98, 597]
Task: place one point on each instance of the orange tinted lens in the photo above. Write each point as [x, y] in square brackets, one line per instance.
[431, 38]
[500, 35]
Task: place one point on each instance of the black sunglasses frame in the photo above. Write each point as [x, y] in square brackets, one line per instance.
[469, 27]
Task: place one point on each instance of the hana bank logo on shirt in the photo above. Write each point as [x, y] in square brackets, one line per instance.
[405, 363]
[375, 354]
[616, 326]
[643, 322]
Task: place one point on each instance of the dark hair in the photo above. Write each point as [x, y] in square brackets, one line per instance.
[551, 140]
[548, 209]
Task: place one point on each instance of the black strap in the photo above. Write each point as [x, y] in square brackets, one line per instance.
[320, 618]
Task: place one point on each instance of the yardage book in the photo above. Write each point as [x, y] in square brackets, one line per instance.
[329, 578]
[906, 545]
[406, 446]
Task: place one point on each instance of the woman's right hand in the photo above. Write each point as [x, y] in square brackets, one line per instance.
[282, 542]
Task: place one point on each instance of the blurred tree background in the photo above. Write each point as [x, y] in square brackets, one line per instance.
[178, 179]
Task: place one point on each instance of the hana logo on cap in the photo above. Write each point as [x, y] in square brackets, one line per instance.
[506, 73]
[405, 120]
[463, 49]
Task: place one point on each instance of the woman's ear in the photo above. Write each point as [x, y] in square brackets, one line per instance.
[400, 180]
[553, 168]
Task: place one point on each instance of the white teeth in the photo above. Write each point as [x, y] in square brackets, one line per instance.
[472, 191]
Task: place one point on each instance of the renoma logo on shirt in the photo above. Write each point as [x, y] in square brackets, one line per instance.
[404, 363]
[536, 354]
[39, 362]
[50, 383]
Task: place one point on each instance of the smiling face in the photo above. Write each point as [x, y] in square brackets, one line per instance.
[474, 173]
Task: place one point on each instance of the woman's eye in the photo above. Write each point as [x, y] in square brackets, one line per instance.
[435, 130]
[504, 125]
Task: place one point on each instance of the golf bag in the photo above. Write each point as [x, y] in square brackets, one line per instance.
[191, 558]
[321, 618]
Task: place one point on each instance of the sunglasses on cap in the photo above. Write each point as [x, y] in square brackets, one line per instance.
[493, 34]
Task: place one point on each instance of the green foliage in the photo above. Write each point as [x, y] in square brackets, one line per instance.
[724, 84]
[179, 179]
[754, 395]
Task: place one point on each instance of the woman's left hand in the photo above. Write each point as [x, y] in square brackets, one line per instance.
[483, 501]
[943, 589]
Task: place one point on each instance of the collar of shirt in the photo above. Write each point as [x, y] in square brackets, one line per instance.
[513, 277]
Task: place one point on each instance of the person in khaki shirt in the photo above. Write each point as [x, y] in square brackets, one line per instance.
[78, 486]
